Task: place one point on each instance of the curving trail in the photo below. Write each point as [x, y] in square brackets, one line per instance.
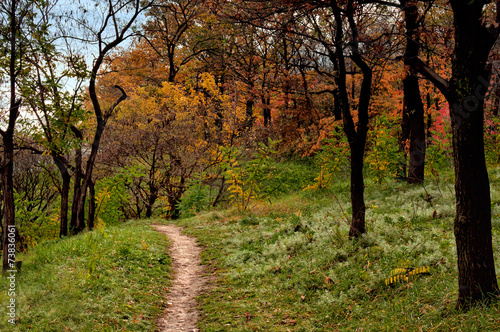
[182, 313]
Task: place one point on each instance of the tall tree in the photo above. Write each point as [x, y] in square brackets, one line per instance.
[356, 135]
[16, 28]
[56, 106]
[113, 25]
[465, 92]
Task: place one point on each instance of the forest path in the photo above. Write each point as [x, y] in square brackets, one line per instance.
[188, 283]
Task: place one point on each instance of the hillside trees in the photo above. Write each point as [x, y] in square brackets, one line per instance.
[332, 29]
[197, 88]
[172, 133]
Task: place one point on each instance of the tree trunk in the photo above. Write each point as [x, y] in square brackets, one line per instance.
[416, 122]
[413, 121]
[357, 190]
[337, 107]
[173, 202]
[8, 196]
[174, 198]
[465, 93]
[153, 195]
[13, 53]
[355, 133]
[74, 227]
[468, 86]
[221, 190]
[87, 177]
[472, 226]
[92, 205]
[66, 182]
[249, 113]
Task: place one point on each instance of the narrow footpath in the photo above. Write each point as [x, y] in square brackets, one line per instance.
[181, 313]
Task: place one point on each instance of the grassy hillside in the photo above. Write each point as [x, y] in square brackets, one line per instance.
[111, 279]
[288, 265]
[284, 264]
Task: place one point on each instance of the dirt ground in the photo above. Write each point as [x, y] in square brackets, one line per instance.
[181, 313]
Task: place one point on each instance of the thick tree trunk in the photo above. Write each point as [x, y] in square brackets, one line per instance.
[472, 227]
[467, 89]
[465, 93]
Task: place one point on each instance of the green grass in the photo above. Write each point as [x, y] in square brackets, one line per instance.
[286, 264]
[111, 279]
[289, 266]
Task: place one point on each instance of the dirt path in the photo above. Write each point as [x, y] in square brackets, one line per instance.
[181, 314]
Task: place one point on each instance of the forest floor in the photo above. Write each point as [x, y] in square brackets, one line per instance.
[182, 313]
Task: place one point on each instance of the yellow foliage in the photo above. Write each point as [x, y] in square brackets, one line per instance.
[404, 274]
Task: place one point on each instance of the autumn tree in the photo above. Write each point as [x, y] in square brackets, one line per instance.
[333, 28]
[175, 32]
[172, 133]
[474, 35]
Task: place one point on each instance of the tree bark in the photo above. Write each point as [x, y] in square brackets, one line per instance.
[357, 190]
[465, 93]
[13, 53]
[356, 133]
[416, 124]
[92, 205]
[76, 225]
[153, 195]
[65, 187]
[413, 122]
[8, 193]
[469, 83]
